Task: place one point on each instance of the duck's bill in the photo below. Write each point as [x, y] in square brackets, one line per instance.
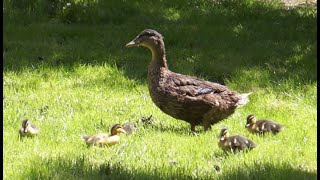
[131, 43]
[222, 138]
[247, 125]
[134, 42]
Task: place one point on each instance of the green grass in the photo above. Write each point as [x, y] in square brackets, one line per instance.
[88, 80]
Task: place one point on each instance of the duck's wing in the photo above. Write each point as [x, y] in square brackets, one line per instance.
[268, 126]
[243, 142]
[97, 138]
[250, 143]
[35, 128]
[237, 142]
[191, 86]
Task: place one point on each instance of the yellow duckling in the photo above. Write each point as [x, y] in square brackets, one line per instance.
[104, 139]
[234, 143]
[28, 129]
[262, 126]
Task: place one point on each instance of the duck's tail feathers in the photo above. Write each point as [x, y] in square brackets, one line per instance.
[244, 99]
[85, 138]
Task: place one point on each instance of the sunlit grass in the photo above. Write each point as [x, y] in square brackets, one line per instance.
[88, 100]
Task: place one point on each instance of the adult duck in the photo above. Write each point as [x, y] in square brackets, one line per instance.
[184, 97]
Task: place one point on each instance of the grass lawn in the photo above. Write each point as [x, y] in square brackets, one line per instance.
[79, 78]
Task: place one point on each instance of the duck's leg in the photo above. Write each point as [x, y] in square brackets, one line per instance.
[193, 127]
[206, 125]
[206, 128]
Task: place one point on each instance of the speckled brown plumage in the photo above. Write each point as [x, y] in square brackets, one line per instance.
[185, 97]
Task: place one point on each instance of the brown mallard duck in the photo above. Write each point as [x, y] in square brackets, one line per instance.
[27, 129]
[262, 126]
[104, 139]
[234, 143]
[185, 97]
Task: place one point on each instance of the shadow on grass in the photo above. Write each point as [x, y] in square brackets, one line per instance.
[204, 38]
[269, 171]
[62, 168]
[80, 169]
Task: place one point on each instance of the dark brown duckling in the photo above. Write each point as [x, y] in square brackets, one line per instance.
[234, 143]
[262, 126]
[183, 97]
[104, 139]
[27, 129]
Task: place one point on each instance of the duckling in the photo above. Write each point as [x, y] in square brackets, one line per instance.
[233, 143]
[184, 97]
[262, 126]
[147, 120]
[28, 129]
[104, 139]
[129, 127]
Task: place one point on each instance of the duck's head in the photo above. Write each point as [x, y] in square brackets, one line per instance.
[117, 129]
[224, 133]
[25, 125]
[147, 38]
[251, 119]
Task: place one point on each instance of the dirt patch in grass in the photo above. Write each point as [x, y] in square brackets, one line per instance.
[293, 3]
[296, 3]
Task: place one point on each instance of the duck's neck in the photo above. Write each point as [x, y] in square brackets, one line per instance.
[158, 56]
